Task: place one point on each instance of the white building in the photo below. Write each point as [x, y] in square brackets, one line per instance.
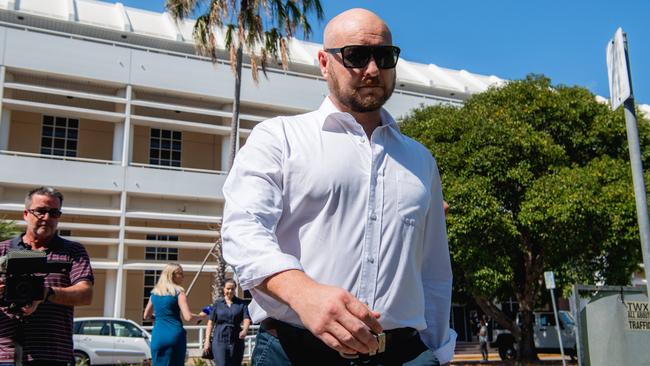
[112, 106]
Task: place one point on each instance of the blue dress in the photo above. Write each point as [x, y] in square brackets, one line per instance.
[227, 348]
[168, 337]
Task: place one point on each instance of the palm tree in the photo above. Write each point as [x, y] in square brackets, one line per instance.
[263, 27]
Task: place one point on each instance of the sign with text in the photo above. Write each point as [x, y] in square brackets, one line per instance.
[619, 78]
[549, 278]
[638, 316]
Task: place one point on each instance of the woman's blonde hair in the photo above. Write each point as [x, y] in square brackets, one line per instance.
[166, 285]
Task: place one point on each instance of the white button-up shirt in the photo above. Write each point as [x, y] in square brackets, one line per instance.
[312, 193]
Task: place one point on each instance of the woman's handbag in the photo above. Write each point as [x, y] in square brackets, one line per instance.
[207, 354]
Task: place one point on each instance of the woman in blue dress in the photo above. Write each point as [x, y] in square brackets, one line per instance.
[229, 322]
[168, 303]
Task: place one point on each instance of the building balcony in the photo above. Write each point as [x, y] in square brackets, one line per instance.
[22, 168]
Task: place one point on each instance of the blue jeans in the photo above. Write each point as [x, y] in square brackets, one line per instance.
[426, 358]
[268, 351]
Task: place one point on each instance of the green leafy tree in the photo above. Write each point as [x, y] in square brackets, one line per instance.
[263, 27]
[7, 229]
[538, 179]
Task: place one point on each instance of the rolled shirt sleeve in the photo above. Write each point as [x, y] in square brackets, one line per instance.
[437, 278]
[253, 194]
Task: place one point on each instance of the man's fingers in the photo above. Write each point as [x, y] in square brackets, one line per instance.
[367, 316]
[332, 342]
[361, 333]
[353, 334]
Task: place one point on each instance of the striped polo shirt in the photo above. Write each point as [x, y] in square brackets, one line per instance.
[48, 331]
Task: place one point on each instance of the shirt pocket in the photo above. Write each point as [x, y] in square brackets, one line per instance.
[412, 198]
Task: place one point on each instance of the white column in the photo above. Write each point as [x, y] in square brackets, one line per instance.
[225, 140]
[127, 147]
[225, 152]
[118, 141]
[109, 292]
[5, 124]
[127, 143]
[5, 118]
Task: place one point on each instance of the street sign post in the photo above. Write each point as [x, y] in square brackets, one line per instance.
[620, 90]
[549, 279]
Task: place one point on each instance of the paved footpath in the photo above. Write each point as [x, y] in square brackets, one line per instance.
[495, 360]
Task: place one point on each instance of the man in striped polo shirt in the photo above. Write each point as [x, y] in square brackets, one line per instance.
[44, 336]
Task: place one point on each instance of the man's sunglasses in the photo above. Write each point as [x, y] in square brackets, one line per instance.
[40, 212]
[358, 56]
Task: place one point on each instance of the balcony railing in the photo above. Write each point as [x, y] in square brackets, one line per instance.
[59, 157]
[177, 168]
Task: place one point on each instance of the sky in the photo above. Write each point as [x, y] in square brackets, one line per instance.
[564, 40]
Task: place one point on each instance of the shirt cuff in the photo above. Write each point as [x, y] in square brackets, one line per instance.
[445, 353]
[251, 277]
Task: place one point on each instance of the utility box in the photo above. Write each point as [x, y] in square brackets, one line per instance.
[613, 325]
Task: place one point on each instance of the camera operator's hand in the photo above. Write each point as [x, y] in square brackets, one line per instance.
[28, 310]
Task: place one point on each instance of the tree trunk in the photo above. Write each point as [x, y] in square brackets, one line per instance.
[497, 315]
[527, 349]
[220, 275]
[234, 124]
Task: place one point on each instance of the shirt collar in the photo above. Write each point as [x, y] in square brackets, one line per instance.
[328, 112]
[18, 243]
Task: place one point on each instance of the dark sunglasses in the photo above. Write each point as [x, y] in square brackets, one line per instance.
[40, 212]
[358, 56]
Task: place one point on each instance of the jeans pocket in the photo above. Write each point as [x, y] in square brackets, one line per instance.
[268, 351]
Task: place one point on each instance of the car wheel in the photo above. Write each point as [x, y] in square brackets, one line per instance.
[81, 359]
[507, 352]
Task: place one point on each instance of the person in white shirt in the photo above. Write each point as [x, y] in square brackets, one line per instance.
[334, 220]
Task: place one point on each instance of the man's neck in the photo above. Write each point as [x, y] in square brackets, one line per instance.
[368, 120]
[36, 242]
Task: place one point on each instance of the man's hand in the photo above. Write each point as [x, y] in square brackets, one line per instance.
[28, 310]
[338, 319]
[332, 314]
[242, 334]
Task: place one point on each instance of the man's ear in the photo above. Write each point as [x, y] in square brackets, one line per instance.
[322, 63]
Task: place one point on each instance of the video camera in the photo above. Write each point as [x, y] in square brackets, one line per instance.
[24, 274]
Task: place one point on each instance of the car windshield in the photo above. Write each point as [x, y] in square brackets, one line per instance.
[567, 319]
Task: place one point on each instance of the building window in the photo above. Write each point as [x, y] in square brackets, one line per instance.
[160, 254]
[59, 136]
[165, 147]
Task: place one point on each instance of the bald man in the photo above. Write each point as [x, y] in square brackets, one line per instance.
[334, 220]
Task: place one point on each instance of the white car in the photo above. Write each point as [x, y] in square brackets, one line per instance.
[102, 341]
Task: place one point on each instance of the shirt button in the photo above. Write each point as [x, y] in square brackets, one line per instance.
[363, 140]
[373, 217]
[371, 260]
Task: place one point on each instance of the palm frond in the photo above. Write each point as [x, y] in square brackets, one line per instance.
[284, 53]
[204, 37]
[254, 67]
[180, 9]
[293, 17]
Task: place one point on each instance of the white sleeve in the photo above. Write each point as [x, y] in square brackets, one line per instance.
[437, 278]
[253, 194]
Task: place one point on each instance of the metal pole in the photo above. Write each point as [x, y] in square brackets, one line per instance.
[557, 327]
[637, 170]
[639, 184]
[189, 288]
